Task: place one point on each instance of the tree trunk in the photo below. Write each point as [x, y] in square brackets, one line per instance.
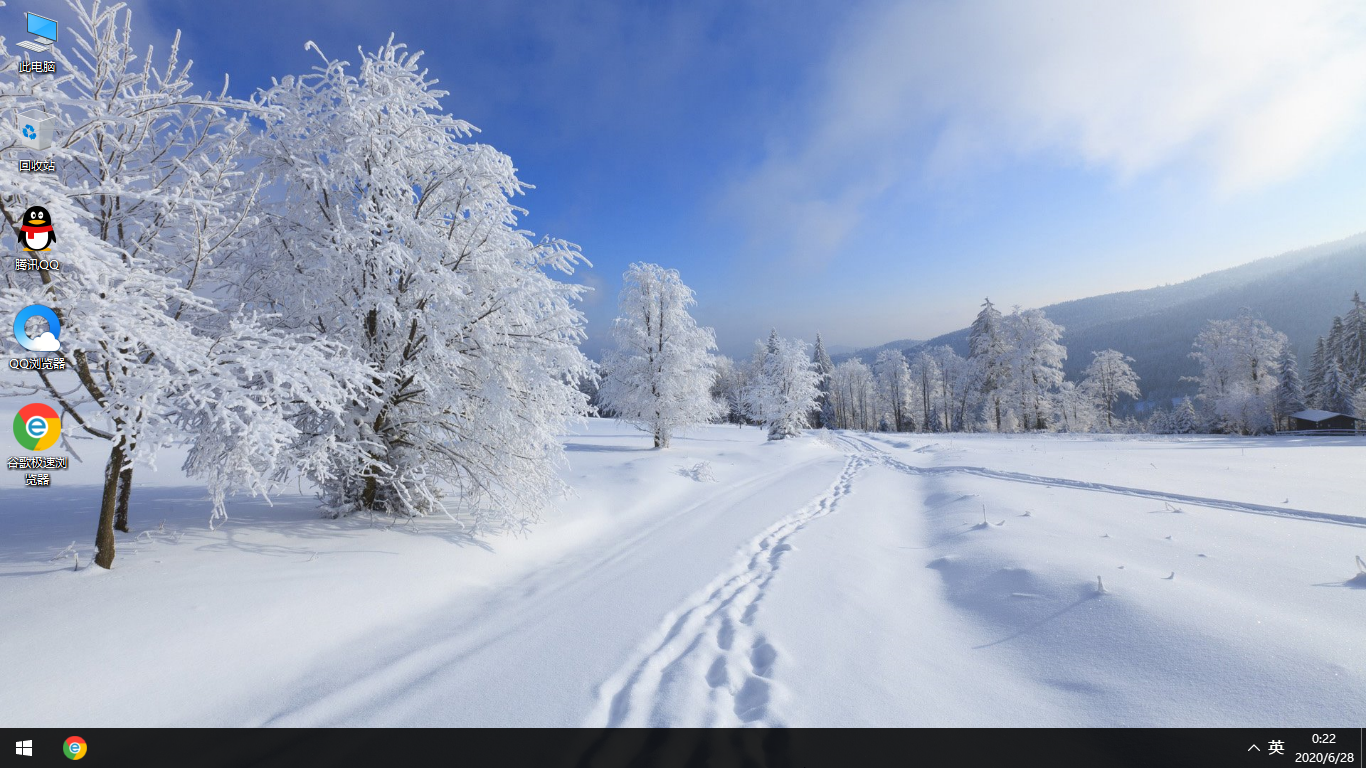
[125, 490]
[104, 534]
[661, 440]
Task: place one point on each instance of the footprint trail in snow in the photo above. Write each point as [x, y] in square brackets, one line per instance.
[708, 665]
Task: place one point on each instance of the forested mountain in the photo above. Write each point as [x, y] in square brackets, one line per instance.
[1297, 293]
[869, 354]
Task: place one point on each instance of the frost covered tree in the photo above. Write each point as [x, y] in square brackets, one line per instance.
[784, 386]
[1290, 390]
[151, 200]
[1035, 359]
[728, 388]
[1238, 371]
[1159, 422]
[1107, 378]
[988, 351]
[893, 387]
[1359, 404]
[953, 387]
[925, 375]
[661, 372]
[396, 236]
[824, 415]
[854, 391]
[1079, 410]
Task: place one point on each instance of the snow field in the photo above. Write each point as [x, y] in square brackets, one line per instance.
[835, 579]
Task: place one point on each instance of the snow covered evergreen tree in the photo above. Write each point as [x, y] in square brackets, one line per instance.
[1318, 371]
[1359, 405]
[1336, 393]
[398, 238]
[784, 386]
[1354, 343]
[824, 415]
[661, 371]
[1159, 422]
[988, 350]
[1184, 419]
[1290, 391]
[1107, 378]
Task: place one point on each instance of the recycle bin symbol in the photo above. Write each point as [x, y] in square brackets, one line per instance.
[36, 129]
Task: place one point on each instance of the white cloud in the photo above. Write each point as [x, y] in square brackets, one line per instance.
[1245, 93]
[45, 342]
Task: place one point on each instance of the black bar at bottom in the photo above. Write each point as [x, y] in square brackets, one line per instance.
[686, 748]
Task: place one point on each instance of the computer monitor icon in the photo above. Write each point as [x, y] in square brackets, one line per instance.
[44, 30]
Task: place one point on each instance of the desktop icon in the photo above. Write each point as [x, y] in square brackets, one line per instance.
[47, 341]
[35, 129]
[74, 749]
[44, 31]
[35, 229]
[37, 427]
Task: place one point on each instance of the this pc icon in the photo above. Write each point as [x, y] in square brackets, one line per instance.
[44, 29]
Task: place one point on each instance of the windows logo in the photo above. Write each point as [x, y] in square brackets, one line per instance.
[24, 748]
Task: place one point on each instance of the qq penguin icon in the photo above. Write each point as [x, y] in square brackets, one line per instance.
[36, 232]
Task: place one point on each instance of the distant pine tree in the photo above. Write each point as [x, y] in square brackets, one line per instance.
[824, 415]
[1337, 392]
[1290, 394]
[1318, 371]
[1184, 420]
[1160, 422]
[1354, 343]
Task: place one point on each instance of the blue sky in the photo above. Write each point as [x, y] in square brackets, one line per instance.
[872, 170]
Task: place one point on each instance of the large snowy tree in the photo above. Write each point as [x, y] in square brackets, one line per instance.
[150, 201]
[396, 236]
[1107, 378]
[661, 372]
[784, 386]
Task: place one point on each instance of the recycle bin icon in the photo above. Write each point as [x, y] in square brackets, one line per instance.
[35, 129]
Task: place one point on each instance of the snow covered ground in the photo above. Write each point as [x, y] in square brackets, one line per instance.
[836, 579]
